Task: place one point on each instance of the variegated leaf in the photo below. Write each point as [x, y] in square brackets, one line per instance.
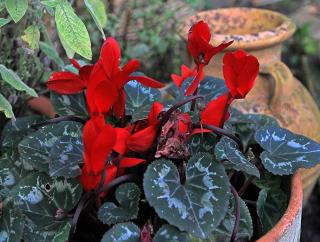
[73, 104]
[170, 233]
[122, 232]
[44, 200]
[227, 149]
[285, 152]
[128, 196]
[198, 206]
[65, 157]
[35, 148]
[139, 99]
[11, 224]
[202, 143]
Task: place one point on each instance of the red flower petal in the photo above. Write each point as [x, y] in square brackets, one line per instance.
[143, 139]
[154, 112]
[65, 83]
[130, 162]
[240, 71]
[196, 81]
[85, 73]
[121, 141]
[122, 76]
[215, 113]
[216, 50]
[90, 181]
[200, 131]
[75, 63]
[185, 73]
[119, 105]
[110, 57]
[147, 81]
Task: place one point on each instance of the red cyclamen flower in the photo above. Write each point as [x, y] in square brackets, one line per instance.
[240, 71]
[66, 82]
[105, 88]
[216, 112]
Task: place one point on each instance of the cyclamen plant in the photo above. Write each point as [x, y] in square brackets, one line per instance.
[171, 165]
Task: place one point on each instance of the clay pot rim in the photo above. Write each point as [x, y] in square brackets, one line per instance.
[264, 39]
[293, 210]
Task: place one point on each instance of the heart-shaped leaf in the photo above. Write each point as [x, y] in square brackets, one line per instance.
[271, 205]
[285, 152]
[44, 200]
[246, 125]
[198, 206]
[73, 104]
[11, 224]
[227, 149]
[128, 196]
[14, 131]
[225, 229]
[139, 99]
[123, 232]
[65, 157]
[210, 88]
[35, 148]
[170, 233]
[202, 143]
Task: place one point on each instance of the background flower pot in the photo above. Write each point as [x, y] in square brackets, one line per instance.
[289, 226]
[276, 92]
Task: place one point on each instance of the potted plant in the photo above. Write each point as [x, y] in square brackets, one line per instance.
[121, 162]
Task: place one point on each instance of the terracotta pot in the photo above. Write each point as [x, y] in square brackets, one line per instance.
[276, 91]
[289, 226]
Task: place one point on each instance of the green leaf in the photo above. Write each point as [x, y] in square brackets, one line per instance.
[15, 130]
[98, 11]
[198, 206]
[4, 21]
[139, 99]
[46, 201]
[246, 125]
[6, 107]
[73, 104]
[170, 233]
[14, 80]
[11, 224]
[225, 229]
[65, 157]
[202, 143]
[62, 234]
[51, 52]
[210, 88]
[128, 196]
[51, 3]
[123, 232]
[72, 30]
[227, 149]
[285, 152]
[35, 148]
[16, 8]
[271, 205]
[32, 37]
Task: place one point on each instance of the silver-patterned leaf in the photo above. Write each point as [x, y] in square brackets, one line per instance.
[128, 196]
[44, 200]
[65, 157]
[198, 206]
[285, 152]
[227, 149]
[123, 232]
[35, 148]
[139, 99]
[202, 143]
[170, 233]
[11, 224]
[73, 104]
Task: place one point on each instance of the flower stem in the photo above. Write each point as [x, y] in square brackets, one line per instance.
[246, 185]
[58, 120]
[237, 208]
[225, 111]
